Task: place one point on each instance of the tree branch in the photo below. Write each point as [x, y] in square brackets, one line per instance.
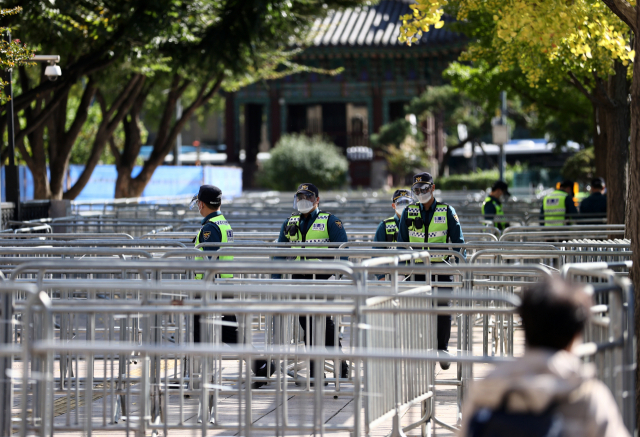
[81, 116]
[114, 151]
[573, 80]
[624, 11]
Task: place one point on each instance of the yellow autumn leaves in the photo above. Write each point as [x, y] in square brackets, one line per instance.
[535, 36]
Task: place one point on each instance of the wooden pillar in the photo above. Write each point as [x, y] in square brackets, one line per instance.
[439, 134]
[377, 109]
[230, 129]
[276, 122]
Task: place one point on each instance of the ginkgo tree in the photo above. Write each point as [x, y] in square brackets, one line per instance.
[594, 45]
[551, 42]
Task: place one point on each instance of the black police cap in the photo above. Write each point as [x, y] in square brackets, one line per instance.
[597, 183]
[308, 188]
[401, 193]
[210, 194]
[422, 178]
[501, 185]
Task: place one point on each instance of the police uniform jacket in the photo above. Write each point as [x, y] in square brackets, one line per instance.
[454, 230]
[335, 228]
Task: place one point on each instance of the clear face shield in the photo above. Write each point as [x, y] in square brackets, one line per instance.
[402, 203]
[303, 202]
[194, 203]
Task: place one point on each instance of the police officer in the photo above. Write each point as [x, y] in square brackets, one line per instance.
[216, 229]
[430, 221]
[558, 206]
[388, 228]
[492, 205]
[310, 224]
[596, 203]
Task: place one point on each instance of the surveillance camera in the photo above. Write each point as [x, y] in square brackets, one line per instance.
[53, 72]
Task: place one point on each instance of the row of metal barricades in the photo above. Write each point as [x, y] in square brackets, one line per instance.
[107, 332]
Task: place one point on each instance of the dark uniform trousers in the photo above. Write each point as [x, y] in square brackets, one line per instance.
[329, 340]
[230, 336]
[444, 321]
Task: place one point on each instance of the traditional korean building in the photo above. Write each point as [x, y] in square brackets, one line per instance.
[380, 75]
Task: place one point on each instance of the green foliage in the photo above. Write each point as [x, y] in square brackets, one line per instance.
[391, 134]
[559, 113]
[12, 54]
[407, 158]
[480, 180]
[580, 167]
[298, 158]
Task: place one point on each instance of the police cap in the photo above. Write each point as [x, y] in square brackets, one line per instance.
[401, 193]
[422, 178]
[308, 188]
[210, 195]
[501, 185]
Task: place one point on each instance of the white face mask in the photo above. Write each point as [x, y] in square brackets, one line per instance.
[304, 206]
[399, 209]
[424, 198]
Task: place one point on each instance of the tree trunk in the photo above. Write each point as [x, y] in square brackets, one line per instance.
[168, 131]
[132, 144]
[599, 143]
[633, 199]
[110, 119]
[618, 122]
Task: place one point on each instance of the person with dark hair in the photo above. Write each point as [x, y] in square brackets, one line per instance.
[549, 381]
[558, 206]
[596, 204]
[492, 205]
[430, 221]
[388, 228]
[216, 229]
[311, 225]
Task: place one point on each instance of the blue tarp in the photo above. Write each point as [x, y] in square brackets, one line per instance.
[166, 181]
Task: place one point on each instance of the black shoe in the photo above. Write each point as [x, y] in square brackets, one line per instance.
[257, 384]
[444, 365]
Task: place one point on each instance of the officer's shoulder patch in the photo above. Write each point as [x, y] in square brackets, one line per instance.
[455, 217]
[339, 224]
[206, 235]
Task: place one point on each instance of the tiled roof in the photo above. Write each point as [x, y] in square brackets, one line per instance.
[372, 26]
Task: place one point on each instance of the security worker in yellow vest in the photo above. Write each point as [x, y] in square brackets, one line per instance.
[311, 225]
[430, 221]
[558, 206]
[388, 228]
[492, 205]
[216, 229]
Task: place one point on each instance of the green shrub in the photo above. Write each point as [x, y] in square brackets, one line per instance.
[580, 167]
[299, 158]
[480, 180]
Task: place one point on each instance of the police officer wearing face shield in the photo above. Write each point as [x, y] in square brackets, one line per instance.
[311, 225]
[388, 229]
[216, 229]
[430, 221]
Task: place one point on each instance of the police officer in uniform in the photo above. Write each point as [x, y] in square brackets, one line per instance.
[430, 221]
[311, 225]
[492, 205]
[388, 229]
[216, 229]
[596, 203]
[559, 206]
